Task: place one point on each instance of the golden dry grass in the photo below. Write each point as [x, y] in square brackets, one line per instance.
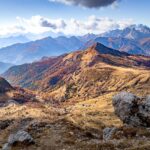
[88, 106]
[94, 113]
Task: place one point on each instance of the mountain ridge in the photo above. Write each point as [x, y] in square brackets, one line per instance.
[58, 77]
[35, 50]
[7, 41]
[135, 32]
[105, 50]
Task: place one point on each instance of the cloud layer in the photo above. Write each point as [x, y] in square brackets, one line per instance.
[87, 3]
[39, 25]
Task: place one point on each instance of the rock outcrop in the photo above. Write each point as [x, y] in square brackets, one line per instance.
[132, 110]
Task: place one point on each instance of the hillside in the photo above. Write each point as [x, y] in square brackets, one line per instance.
[72, 101]
[14, 95]
[78, 73]
[145, 44]
[74, 75]
[4, 86]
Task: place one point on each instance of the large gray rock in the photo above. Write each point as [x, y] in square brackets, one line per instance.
[132, 110]
[21, 137]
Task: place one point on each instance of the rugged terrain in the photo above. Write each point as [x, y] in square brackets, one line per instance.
[98, 69]
[72, 108]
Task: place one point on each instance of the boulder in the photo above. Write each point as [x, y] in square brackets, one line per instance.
[132, 110]
[21, 137]
[11, 103]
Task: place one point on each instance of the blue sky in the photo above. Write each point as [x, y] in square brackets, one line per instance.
[135, 10]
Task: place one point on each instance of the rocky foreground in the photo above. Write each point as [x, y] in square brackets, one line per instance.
[39, 125]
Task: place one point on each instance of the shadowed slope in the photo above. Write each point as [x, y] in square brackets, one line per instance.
[4, 85]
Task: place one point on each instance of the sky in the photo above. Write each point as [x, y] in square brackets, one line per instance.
[69, 17]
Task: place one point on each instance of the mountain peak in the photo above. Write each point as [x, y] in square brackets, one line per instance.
[101, 49]
[140, 27]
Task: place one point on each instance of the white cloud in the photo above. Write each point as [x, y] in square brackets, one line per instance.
[39, 25]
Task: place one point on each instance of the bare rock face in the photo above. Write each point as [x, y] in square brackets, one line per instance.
[132, 110]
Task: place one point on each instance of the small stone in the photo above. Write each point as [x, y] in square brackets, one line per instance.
[6, 147]
[108, 133]
[71, 133]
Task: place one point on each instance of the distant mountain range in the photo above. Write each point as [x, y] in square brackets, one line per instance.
[4, 67]
[134, 39]
[134, 32]
[121, 44]
[4, 42]
[33, 51]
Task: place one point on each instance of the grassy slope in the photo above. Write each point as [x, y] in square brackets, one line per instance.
[86, 104]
